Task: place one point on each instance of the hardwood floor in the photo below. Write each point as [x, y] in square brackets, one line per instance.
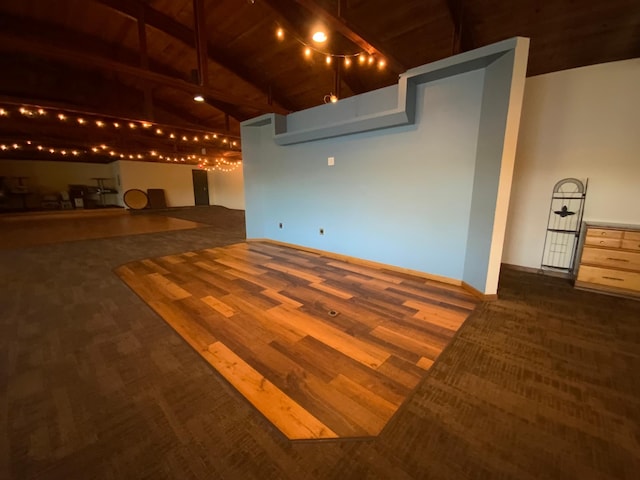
[65, 226]
[321, 347]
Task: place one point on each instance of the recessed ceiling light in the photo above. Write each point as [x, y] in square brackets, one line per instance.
[198, 98]
[319, 37]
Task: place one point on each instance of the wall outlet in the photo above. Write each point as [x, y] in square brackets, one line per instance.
[322, 231]
[280, 225]
[331, 161]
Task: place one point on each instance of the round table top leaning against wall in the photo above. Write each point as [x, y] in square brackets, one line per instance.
[135, 199]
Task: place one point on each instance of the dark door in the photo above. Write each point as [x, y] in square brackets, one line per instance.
[200, 187]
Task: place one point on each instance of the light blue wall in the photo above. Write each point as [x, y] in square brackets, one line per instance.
[495, 104]
[400, 196]
[417, 170]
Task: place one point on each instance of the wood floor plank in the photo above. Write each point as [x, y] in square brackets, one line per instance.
[408, 343]
[362, 352]
[296, 272]
[366, 271]
[170, 289]
[365, 397]
[289, 417]
[331, 291]
[281, 298]
[154, 267]
[260, 315]
[425, 363]
[240, 265]
[326, 363]
[219, 306]
[265, 281]
[199, 338]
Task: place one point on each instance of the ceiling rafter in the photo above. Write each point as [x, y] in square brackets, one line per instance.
[462, 38]
[186, 35]
[287, 20]
[26, 45]
[64, 38]
[353, 33]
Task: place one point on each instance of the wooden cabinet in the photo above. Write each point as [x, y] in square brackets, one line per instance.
[610, 259]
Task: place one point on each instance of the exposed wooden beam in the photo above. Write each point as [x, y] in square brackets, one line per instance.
[185, 35]
[71, 39]
[350, 31]
[200, 29]
[144, 63]
[10, 43]
[462, 39]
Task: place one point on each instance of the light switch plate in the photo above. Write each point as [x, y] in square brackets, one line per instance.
[331, 161]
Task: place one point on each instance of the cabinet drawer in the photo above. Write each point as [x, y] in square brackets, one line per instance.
[604, 232]
[611, 258]
[609, 277]
[631, 244]
[633, 236]
[603, 241]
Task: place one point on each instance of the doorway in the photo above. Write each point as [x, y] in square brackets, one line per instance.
[200, 187]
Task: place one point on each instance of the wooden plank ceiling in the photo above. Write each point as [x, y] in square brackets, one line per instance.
[144, 60]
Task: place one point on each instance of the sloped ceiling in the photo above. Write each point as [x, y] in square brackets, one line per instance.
[117, 61]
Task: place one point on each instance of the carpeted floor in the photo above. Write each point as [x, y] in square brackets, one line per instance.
[543, 383]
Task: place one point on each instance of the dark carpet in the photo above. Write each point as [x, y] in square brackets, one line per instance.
[543, 383]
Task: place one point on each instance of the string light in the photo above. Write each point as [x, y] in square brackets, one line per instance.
[90, 119]
[65, 152]
[320, 37]
[219, 164]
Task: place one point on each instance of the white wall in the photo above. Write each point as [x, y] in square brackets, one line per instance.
[176, 180]
[55, 176]
[227, 189]
[582, 123]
